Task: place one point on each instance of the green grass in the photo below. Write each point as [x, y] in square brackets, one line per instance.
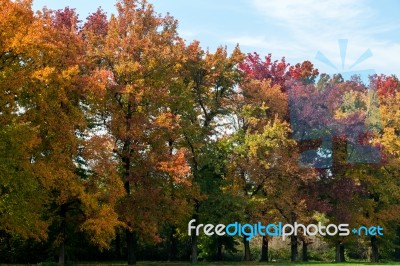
[256, 263]
[154, 263]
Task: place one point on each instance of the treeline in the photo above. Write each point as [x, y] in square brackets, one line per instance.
[115, 133]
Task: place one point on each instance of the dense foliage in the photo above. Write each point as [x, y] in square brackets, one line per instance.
[115, 132]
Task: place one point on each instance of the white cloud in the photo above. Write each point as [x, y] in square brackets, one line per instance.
[385, 59]
[268, 44]
[187, 34]
[315, 15]
[309, 26]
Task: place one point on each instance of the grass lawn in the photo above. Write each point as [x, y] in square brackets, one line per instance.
[147, 263]
[259, 263]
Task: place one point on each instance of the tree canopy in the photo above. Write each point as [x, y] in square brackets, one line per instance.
[115, 133]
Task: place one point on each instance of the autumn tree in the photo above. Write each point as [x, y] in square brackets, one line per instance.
[263, 106]
[116, 124]
[381, 187]
[21, 193]
[132, 62]
[208, 83]
[46, 49]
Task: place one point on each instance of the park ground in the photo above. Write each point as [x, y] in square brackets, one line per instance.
[154, 263]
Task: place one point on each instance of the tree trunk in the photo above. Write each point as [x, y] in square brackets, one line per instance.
[61, 255]
[397, 248]
[172, 244]
[339, 252]
[293, 248]
[264, 249]
[118, 246]
[374, 249]
[172, 241]
[130, 236]
[247, 253]
[193, 256]
[130, 240]
[343, 259]
[219, 249]
[305, 251]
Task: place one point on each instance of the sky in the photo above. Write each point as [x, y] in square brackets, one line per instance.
[296, 30]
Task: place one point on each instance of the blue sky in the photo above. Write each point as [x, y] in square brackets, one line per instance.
[290, 28]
